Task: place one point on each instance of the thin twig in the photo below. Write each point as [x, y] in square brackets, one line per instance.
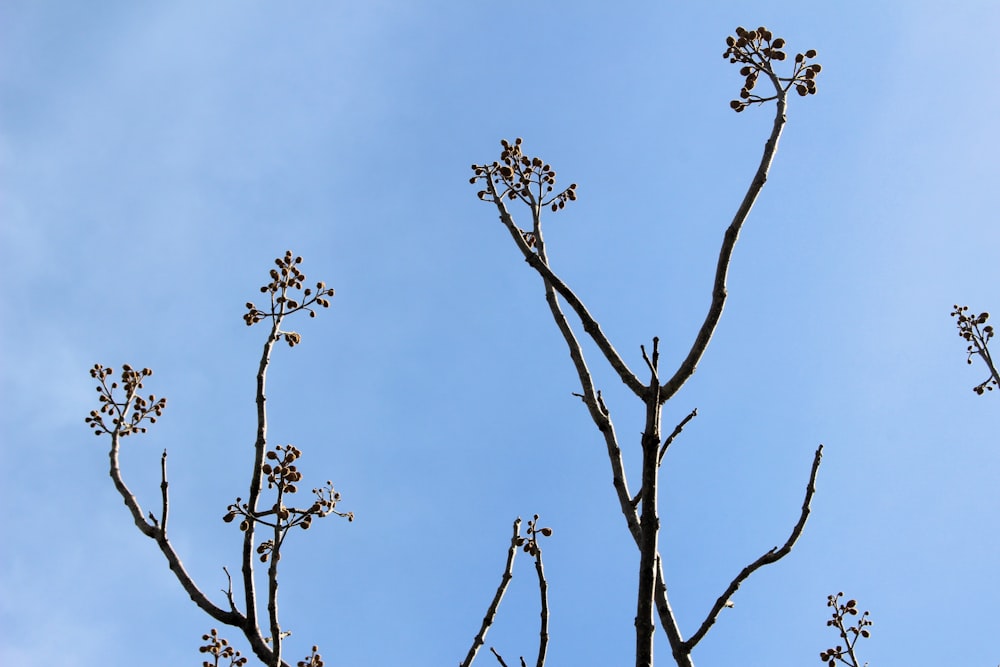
[229, 589]
[677, 432]
[772, 556]
[163, 492]
[543, 590]
[499, 659]
[491, 613]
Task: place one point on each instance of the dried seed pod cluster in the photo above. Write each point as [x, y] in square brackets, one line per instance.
[757, 50]
[284, 279]
[281, 472]
[519, 176]
[128, 414]
[284, 473]
[530, 543]
[314, 659]
[219, 647]
[973, 328]
[850, 634]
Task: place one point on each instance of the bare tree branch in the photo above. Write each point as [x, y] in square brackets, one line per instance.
[543, 591]
[540, 264]
[719, 293]
[531, 180]
[668, 621]
[771, 556]
[491, 613]
[591, 397]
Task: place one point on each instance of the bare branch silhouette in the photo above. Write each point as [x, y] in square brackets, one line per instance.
[517, 176]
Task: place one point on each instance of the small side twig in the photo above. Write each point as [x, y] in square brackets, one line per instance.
[497, 655]
[676, 432]
[163, 492]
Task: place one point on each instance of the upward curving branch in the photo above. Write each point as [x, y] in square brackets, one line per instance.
[719, 292]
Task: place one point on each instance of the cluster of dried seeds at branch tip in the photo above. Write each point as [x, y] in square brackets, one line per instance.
[971, 329]
[283, 474]
[285, 278]
[849, 634]
[127, 415]
[220, 648]
[518, 176]
[530, 543]
[756, 49]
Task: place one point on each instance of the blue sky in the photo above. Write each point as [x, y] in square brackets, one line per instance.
[155, 159]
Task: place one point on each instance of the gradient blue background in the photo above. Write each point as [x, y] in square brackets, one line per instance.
[155, 158]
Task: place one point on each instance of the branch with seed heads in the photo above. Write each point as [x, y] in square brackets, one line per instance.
[219, 648]
[757, 50]
[120, 416]
[530, 546]
[977, 333]
[517, 176]
[850, 634]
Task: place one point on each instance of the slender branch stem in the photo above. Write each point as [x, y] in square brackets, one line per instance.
[256, 481]
[668, 621]
[158, 534]
[499, 659]
[690, 363]
[165, 504]
[543, 591]
[540, 264]
[591, 397]
[649, 533]
[491, 613]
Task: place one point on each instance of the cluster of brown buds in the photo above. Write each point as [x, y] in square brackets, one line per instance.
[518, 176]
[218, 648]
[284, 279]
[850, 634]
[756, 49]
[127, 414]
[314, 659]
[530, 543]
[283, 474]
[973, 328]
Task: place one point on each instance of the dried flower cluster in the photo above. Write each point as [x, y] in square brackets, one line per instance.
[518, 176]
[756, 49]
[312, 660]
[850, 634]
[282, 473]
[218, 648]
[973, 328]
[128, 414]
[530, 543]
[285, 278]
